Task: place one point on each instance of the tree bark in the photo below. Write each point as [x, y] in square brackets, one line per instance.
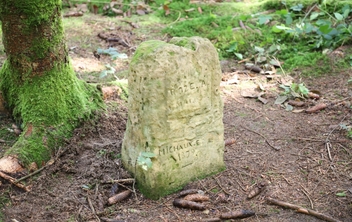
[37, 81]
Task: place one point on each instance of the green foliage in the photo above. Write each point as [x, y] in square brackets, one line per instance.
[112, 52]
[144, 160]
[341, 194]
[295, 90]
[300, 31]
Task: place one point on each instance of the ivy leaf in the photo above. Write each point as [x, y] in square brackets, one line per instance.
[288, 19]
[341, 194]
[263, 19]
[314, 15]
[338, 16]
[113, 53]
[303, 89]
[325, 29]
[297, 8]
[148, 154]
[280, 100]
[103, 74]
[346, 11]
[141, 160]
[148, 163]
[233, 47]
[239, 55]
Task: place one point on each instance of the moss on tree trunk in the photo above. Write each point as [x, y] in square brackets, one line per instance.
[37, 80]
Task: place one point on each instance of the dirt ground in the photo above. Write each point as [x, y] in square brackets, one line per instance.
[288, 151]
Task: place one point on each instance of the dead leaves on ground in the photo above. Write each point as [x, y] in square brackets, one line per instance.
[263, 82]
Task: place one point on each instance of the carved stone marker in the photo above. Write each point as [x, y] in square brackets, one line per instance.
[174, 111]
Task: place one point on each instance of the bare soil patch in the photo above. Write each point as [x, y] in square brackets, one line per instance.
[77, 186]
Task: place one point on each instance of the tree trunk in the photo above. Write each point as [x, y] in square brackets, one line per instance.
[37, 81]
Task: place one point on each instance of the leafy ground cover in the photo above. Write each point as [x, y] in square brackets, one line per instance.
[303, 158]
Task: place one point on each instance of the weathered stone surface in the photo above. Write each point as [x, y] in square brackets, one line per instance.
[175, 111]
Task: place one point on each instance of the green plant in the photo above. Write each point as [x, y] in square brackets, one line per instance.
[291, 92]
[341, 194]
[295, 90]
[108, 71]
[144, 160]
[320, 29]
[112, 52]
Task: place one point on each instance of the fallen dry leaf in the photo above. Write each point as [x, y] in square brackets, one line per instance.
[229, 141]
[257, 189]
[188, 204]
[239, 214]
[187, 192]
[196, 197]
[313, 95]
[296, 103]
[166, 9]
[10, 164]
[316, 108]
[119, 197]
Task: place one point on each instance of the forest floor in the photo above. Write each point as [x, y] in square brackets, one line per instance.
[302, 158]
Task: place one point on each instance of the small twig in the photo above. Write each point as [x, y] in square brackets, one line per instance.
[217, 181]
[31, 174]
[204, 188]
[179, 16]
[306, 193]
[275, 148]
[340, 101]
[13, 181]
[286, 180]
[92, 208]
[49, 163]
[128, 180]
[245, 190]
[327, 140]
[162, 204]
[309, 11]
[161, 217]
[308, 139]
[278, 62]
[328, 146]
[82, 204]
[300, 209]
[179, 219]
[345, 149]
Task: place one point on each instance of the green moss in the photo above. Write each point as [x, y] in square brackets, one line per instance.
[123, 85]
[145, 48]
[183, 42]
[163, 189]
[34, 12]
[49, 107]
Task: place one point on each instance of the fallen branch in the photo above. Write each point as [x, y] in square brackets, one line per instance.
[300, 209]
[13, 181]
